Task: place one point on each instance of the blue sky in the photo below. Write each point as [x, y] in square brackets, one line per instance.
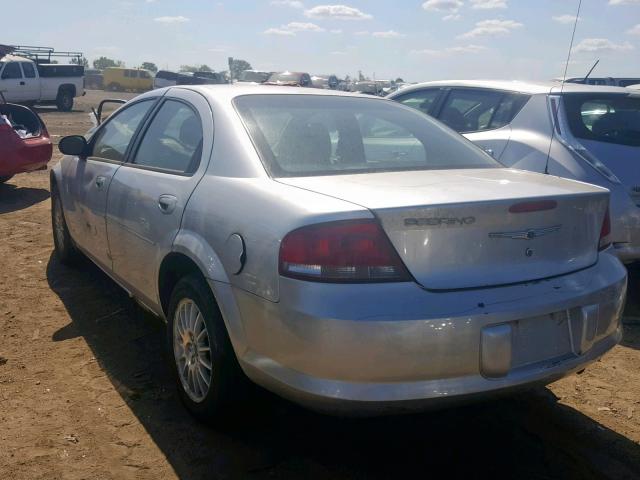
[416, 40]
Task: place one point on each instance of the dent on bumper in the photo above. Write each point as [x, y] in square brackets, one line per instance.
[376, 346]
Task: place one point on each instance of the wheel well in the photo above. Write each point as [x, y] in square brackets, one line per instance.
[67, 87]
[173, 268]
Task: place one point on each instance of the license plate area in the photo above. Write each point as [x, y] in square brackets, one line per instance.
[539, 339]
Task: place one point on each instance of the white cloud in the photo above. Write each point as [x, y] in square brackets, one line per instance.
[443, 5]
[492, 28]
[337, 12]
[287, 3]
[453, 16]
[291, 28]
[446, 52]
[564, 18]
[387, 34]
[177, 19]
[303, 27]
[335, 31]
[361, 33]
[601, 45]
[488, 4]
[279, 31]
[635, 30]
[624, 2]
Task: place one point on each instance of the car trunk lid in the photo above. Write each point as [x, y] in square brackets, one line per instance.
[458, 229]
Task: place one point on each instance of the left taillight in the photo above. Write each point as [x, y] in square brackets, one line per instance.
[605, 232]
[356, 251]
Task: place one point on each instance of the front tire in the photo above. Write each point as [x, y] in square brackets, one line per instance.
[114, 87]
[203, 362]
[64, 101]
[65, 250]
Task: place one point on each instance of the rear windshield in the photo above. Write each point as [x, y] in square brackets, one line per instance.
[611, 118]
[303, 135]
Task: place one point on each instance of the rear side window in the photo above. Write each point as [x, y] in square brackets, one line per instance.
[173, 140]
[611, 118]
[474, 110]
[302, 135]
[112, 140]
[11, 71]
[28, 70]
[422, 100]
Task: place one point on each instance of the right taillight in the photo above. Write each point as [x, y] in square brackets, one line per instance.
[355, 251]
[605, 232]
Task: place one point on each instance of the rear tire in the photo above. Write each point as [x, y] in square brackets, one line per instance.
[202, 359]
[114, 87]
[6, 178]
[64, 101]
[65, 250]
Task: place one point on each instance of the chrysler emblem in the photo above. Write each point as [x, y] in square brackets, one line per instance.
[528, 234]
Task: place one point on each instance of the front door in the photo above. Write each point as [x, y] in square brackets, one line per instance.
[149, 193]
[31, 83]
[91, 178]
[12, 84]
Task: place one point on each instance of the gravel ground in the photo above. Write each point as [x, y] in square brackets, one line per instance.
[85, 394]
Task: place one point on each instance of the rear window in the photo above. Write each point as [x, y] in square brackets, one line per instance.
[611, 118]
[302, 135]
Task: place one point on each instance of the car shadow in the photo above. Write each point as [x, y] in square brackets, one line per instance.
[631, 320]
[530, 435]
[13, 198]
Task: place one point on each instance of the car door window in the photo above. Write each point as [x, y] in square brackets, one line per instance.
[173, 140]
[28, 70]
[11, 71]
[112, 140]
[422, 100]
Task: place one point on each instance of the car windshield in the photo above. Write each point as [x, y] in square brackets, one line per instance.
[258, 77]
[285, 77]
[611, 118]
[303, 135]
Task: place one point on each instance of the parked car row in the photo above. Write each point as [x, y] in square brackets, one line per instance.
[353, 253]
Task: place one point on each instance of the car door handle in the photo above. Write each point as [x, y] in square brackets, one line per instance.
[167, 203]
[21, 83]
[100, 181]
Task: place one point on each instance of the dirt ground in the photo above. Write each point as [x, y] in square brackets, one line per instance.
[85, 394]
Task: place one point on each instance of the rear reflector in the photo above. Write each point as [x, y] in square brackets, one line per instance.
[537, 206]
[605, 232]
[346, 251]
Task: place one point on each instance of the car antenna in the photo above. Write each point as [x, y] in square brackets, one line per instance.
[584, 80]
[564, 79]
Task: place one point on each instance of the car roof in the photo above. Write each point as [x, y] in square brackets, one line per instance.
[227, 92]
[14, 58]
[528, 87]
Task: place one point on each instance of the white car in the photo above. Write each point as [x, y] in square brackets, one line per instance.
[24, 81]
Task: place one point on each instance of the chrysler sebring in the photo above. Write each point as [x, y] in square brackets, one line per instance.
[346, 252]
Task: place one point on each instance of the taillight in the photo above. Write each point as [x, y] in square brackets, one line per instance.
[605, 232]
[344, 251]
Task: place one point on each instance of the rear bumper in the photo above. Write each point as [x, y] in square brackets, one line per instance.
[23, 155]
[378, 348]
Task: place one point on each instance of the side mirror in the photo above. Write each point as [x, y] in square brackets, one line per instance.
[75, 145]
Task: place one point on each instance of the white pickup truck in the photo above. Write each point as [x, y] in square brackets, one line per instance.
[24, 81]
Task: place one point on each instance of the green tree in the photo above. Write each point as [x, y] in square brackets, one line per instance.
[237, 66]
[149, 66]
[399, 80]
[104, 62]
[80, 61]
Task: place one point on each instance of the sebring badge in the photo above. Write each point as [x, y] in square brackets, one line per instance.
[528, 234]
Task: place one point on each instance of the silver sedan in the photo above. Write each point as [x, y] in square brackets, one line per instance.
[346, 252]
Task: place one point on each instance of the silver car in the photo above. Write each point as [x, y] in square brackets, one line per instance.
[586, 133]
[346, 252]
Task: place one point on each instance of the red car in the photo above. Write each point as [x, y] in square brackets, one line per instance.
[24, 141]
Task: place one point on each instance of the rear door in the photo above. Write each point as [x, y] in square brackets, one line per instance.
[482, 116]
[31, 81]
[149, 193]
[90, 179]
